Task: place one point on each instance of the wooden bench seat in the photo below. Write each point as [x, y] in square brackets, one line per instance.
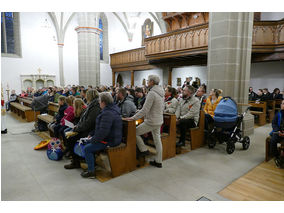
[24, 111]
[46, 118]
[26, 101]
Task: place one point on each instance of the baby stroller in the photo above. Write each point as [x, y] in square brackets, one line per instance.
[227, 123]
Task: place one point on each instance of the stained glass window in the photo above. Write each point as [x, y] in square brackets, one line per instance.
[101, 39]
[2, 35]
[9, 32]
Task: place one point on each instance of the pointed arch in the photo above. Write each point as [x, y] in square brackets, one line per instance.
[105, 48]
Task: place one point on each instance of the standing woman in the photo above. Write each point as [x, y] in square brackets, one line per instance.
[210, 106]
[152, 112]
[86, 124]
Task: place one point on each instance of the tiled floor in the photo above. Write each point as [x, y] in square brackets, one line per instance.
[29, 175]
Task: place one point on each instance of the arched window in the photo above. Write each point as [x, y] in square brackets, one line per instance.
[10, 36]
[103, 25]
[101, 40]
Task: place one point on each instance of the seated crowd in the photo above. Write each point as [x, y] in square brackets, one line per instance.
[97, 114]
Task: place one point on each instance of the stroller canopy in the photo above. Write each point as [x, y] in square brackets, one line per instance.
[226, 111]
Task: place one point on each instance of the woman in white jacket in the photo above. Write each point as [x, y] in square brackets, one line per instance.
[171, 102]
[152, 111]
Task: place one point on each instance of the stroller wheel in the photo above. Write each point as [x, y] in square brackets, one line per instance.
[246, 142]
[211, 141]
[230, 147]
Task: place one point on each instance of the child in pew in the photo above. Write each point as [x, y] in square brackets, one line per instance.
[68, 115]
[79, 109]
[60, 114]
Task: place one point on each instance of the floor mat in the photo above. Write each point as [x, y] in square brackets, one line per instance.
[263, 183]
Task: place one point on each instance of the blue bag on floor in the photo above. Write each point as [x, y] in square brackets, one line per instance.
[80, 146]
[54, 149]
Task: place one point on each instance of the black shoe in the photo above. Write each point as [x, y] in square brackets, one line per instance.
[278, 162]
[4, 131]
[180, 143]
[72, 165]
[88, 174]
[154, 163]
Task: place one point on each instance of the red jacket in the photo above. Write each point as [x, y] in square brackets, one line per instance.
[68, 115]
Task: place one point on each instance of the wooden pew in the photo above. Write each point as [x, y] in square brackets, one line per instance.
[24, 111]
[267, 148]
[49, 118]
[168, 137]
[271, 109]
[261, 114]
[26, 101]
[123, 157]
[52, 109]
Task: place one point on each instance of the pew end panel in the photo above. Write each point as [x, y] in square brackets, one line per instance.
[122, 158]
[197, 133]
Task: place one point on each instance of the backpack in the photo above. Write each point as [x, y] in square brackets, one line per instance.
[54, 149]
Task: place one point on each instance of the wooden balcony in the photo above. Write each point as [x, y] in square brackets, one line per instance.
[184, 42]
[130, 60]
[190, 45]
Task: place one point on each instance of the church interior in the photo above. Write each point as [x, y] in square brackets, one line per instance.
[226, 53]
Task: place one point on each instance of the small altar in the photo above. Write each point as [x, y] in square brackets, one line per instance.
[37, 81]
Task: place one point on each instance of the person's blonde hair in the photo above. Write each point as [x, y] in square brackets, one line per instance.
[217, 92]
[91, 95]
[78, 107]
[70, 100]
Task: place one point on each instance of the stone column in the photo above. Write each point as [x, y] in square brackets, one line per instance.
[229, 57]
[61, 72]
[88, 49]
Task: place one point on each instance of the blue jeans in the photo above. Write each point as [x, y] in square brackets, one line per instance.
[90, 149]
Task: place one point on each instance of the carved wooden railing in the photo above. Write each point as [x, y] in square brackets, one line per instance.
[192, 40]
[268, 37]
[129, 56]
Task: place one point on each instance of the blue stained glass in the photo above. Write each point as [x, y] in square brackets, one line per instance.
[2, 36]
[101, 39]
[9, 21]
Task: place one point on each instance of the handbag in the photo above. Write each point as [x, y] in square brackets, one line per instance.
[79, 148]
[54, 149]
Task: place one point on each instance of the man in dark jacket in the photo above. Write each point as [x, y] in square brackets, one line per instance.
[125, 103]
[277, 134]
[87, 124]
[108, 132]
[40, 103]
